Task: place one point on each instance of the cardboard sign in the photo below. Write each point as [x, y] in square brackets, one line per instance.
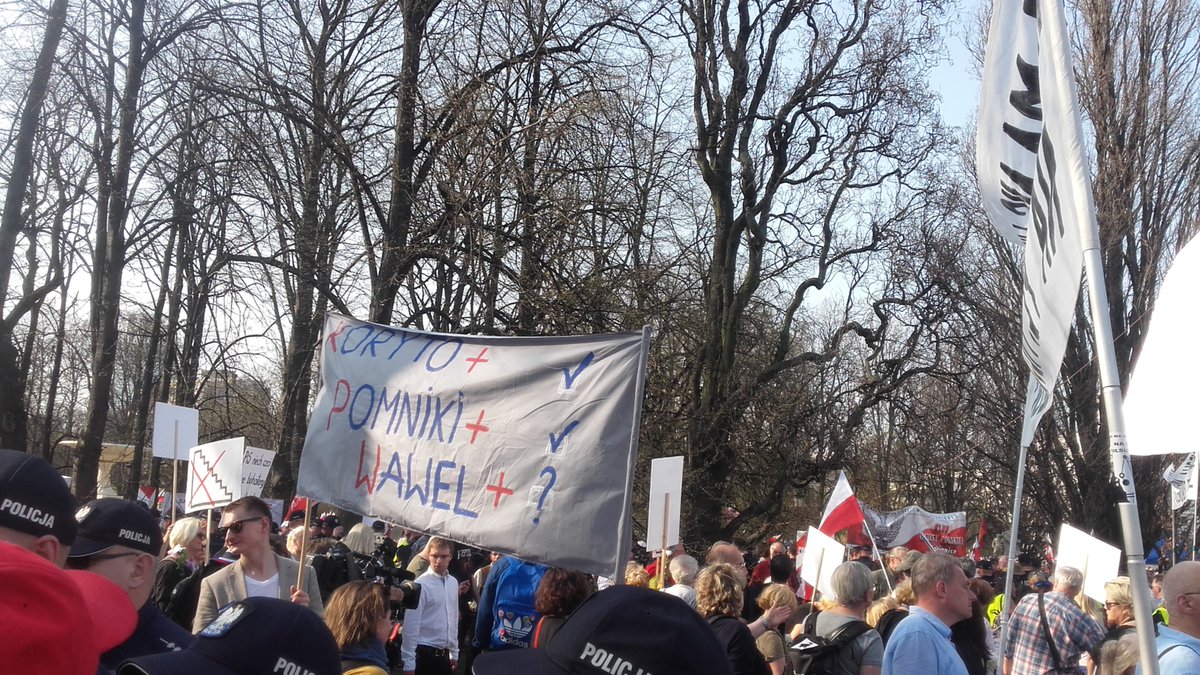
[215, 474]
[176, 430]
[256, 464]
[666, 493]
[822, 555]
[1097, 560]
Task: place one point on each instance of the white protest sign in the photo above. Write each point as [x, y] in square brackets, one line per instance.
[176, 430]
[214, 474]
[256, 464]
[666, 492]
[1097, 560]
[521, 445]
[822, 555]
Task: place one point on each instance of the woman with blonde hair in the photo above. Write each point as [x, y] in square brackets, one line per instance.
[636, 575]
[186, 542]
[1118, 618]
[357, 614]
[770, 644]
[719, 600]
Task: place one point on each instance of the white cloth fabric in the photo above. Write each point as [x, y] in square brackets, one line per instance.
[263, 589]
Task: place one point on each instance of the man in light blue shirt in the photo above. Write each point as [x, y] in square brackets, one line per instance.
[1178, 646]
[921, 642]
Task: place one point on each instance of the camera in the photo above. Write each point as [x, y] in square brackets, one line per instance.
[394, 578]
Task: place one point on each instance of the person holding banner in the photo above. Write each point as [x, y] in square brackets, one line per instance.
[246, 524]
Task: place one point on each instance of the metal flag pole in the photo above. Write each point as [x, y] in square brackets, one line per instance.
[1006, 606]
[875, 547]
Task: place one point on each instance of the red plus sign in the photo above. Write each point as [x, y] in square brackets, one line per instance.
[476, 427]
[500, 491]
[476, 360]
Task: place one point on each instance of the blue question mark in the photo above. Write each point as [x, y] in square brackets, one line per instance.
[545, 491]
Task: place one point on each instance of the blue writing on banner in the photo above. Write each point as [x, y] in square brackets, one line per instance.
[429, 488]
[570, 376]
[556, 443]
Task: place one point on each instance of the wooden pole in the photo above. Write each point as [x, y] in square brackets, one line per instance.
[303, 547]
[174, 471]
[662, 551]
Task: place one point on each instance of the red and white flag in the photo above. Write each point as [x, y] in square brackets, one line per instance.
[843, 510]
[977, 547]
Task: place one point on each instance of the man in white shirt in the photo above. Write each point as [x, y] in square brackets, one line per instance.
[430, 645]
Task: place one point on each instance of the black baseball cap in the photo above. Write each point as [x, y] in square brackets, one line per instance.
[108, 522]
[34, 499]
[622, 629]
[255, 635]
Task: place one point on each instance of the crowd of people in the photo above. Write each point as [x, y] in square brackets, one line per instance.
[106, 588]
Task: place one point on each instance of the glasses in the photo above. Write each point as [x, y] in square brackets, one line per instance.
[237, 526]
[84, 562]
[1110, 605]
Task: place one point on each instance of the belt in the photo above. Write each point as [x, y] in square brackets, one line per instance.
[436, 651]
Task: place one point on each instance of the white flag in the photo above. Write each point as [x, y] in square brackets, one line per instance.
[1029, 105]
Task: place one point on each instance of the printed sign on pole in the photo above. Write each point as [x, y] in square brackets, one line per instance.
[666, 488]
[520, 445]
[1096, 559]
[256, 464]
[215, 474]
[176, 430]
[822, 555]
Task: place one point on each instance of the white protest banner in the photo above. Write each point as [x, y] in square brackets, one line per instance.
[666, 499]
[822, 555]
[256, 464]
[214, 474]
[521, 445]
[916, 529]
[1097, 560]
[1161, 403]
[176, 430]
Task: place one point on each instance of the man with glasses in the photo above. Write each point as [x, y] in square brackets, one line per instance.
[430, 645]
[1178, 646]
[121, 542]
[258, 572]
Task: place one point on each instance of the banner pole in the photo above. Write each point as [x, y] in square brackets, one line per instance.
[303, 547]
[174, 471]
[662, 550]
[875, 546]
[624, 530]
[207, 542]
[1006, 608]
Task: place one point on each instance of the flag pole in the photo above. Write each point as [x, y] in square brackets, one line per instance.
[1006, 608]
[1078, 181]
[875, 546]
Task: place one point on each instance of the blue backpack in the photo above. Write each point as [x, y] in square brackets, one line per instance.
[513, 613]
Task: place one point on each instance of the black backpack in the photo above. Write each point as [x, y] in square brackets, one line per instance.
[815, 655]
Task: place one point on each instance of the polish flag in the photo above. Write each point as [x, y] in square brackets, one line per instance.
[298, 504]
[977, 547]
[843, 510]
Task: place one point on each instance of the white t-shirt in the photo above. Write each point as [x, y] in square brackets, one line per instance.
[263, 589]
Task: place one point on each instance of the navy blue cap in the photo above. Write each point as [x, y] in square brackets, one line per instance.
[255, 635]
[108, 522]
[34, 499]
[622, 629]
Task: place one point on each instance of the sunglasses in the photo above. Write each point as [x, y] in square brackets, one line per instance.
[236, 526]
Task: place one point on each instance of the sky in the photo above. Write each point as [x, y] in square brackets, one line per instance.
[955, 78]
